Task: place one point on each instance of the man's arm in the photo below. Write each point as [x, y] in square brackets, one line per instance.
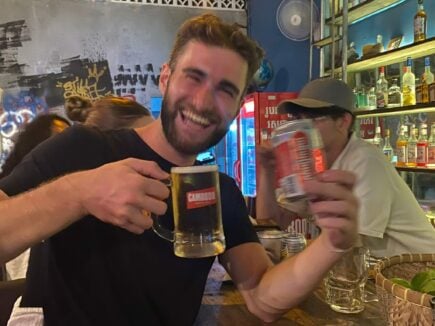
[270, 291]
[266, 204]
[116, 193]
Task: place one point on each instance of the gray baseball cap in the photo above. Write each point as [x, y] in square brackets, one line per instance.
[321, 94]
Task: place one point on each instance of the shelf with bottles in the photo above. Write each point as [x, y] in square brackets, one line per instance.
[355, 13]
[420, 49]
[415, 169]
[385, 112]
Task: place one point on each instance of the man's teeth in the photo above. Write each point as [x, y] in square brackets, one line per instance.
[196, 118]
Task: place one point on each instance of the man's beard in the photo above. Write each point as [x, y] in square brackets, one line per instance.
[179, 142]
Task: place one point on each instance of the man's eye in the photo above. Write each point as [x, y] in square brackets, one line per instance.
[228, 91]
[194, 77]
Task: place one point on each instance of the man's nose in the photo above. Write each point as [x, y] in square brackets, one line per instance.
[204, 97]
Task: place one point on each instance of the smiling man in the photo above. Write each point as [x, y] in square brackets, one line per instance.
[101, 263]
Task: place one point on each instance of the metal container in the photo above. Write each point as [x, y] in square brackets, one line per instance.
[292, 243]
[272, 242]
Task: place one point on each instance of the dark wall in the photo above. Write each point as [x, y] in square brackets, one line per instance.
[290, 59]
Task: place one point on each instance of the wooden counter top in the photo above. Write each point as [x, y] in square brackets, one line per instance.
[222, 305]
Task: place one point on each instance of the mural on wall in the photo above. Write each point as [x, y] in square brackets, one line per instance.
[53, 49]
[12, 36]
[138, 81]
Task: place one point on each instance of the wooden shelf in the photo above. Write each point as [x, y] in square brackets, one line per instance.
[412, 109]
[363, 10]
[416, 169]
[414, 50]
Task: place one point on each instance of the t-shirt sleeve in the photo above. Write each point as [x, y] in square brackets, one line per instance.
[238, 228]
[52, 158]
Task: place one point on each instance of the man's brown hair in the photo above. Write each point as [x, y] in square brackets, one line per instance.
[211, 30]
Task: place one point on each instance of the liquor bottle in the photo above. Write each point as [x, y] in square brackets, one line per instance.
[431, 148]
[420, 23]
[408, 84]
[377, 139]
[412, 148]
[426, 79]
[394, 95]
[371, 97]
[362, 98]
[379, 43]
[387, 149]
[381, 90]
[422, 146]
[401, 147]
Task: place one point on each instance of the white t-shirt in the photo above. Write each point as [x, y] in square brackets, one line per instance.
[391, 221]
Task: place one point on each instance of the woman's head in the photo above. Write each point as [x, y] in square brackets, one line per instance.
[108, 113]
[76, 108]
[35, 132]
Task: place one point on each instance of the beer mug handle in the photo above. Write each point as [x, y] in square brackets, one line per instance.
[160, 230]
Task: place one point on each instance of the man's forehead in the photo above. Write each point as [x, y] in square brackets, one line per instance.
[214, 59]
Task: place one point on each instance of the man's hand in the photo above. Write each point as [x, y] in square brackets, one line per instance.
[123, 193]
[266, 157]
[335, 207]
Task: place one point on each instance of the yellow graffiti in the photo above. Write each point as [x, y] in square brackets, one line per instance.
[85, 87]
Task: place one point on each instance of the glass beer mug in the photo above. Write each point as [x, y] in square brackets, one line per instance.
[196, 202]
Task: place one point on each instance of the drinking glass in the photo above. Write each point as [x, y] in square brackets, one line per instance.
[345, 282]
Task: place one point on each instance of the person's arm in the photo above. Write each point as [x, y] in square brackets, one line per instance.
[116, 193]
[266, 204]
[270, 291]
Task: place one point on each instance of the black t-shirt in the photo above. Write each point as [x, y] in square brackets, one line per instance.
[93, 273]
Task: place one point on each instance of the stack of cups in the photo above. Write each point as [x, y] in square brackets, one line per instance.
[292, 243]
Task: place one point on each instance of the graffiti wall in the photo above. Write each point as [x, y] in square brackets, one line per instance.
[52, 49]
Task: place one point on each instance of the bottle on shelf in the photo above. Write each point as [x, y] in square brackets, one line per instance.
[420, 23]
[431, 148]
[408, 84]
[362, 98]
[412, 148]
[401, 146]
[387, 149]
[371, 99]
[379, 43]
[426, 80]
[394, 95]
[381, 90]
[422, 146]
[377, 139]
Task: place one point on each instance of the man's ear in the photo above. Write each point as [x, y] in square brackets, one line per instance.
[164, 78]
[346, 121]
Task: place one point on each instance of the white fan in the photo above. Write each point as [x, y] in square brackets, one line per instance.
[293, 19]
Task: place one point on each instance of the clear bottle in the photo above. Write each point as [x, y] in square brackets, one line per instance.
[426, 79]
[371, 97]
[420, 23]
[379, 43]
[394, 95]
[381, 90]
[401, 147]
[412, 148]
[408, 84]
[431, 148]
[362, 98]
[377, 139]
[422, 146]
[387, 149]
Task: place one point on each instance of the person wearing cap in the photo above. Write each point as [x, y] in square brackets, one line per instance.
[391, 221]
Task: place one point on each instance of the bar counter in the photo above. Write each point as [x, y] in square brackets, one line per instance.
[223, 305]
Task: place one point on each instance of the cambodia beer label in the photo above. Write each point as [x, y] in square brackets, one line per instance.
[201, 198]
